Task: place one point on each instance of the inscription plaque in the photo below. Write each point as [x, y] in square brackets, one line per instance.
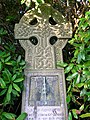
[44, 97]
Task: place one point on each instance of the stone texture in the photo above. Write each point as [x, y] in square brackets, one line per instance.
[44, 83]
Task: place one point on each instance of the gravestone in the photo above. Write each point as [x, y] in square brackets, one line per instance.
[43, 33]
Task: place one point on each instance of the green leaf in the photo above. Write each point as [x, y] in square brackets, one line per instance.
[15, 93]
[69, 88]
[7, 59]
[8, 97]
[68, 99]
[19, 59]
[82, 107]
[83, 92]
[61, 64]
[16, 87]
[69, 68]
[22, 63]
[40, 1]
[75, 90]
[2, 83]
[79, 85]
[9, 116]
[1, 65]
[85, 115]
[22, 1]
[69, 78]
[3, 92]
[78, 79]
[2, 32]
[74, 113]
[79, 57]
[7, 73]
[22, 116]
[88, 93]
[14, 77]
[19, 80]
[70, 116]
[8, 63]
[10, 88]
[10, 18]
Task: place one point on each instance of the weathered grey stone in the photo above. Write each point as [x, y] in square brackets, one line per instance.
[44, 97]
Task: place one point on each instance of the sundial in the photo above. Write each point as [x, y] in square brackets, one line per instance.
[43, 33]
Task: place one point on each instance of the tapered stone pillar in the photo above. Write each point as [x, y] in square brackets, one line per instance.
[43, 33]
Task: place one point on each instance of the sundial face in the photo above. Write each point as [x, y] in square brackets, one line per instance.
[44, 91]
[44, 96]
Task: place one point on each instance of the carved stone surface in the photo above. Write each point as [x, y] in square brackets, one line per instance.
[43, 55]
[44, 97]
[45, 93]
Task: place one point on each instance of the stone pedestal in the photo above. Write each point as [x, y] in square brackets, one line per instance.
[43, 38]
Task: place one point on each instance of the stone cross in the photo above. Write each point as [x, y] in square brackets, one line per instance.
[43, 33]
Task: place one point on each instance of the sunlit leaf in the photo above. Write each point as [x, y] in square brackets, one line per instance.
[68, 99]
[69, 68]
[82, 107]
[70, 116]
[3, 92]
[19, 80]
[22, 116]
[61, 64]
[16, 87]
[10, 88]
[74, 113]
[85, 115]
[2, 83]
[9, 116]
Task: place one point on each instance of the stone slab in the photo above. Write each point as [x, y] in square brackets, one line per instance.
[40, 104]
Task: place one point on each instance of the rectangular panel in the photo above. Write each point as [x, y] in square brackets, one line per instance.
[44, 91]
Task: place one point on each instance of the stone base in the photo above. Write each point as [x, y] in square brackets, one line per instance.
[44, 97]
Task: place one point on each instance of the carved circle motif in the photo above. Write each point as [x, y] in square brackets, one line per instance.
[33, 40]
[53, 40]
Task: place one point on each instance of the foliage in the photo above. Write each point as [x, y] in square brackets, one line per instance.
[11, 62]
[11, 77]
[78, 72]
